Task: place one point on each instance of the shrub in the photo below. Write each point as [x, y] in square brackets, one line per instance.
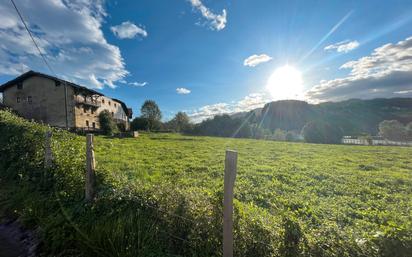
[139, 123]
[107, 124]
[393, 130]
[322, 133]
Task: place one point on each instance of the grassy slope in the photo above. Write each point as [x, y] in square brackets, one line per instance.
[358, 192]
[292, 199]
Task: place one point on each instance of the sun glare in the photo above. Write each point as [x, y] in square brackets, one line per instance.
[285, 83]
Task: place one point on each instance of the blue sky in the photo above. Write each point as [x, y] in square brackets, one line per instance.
[192, 55]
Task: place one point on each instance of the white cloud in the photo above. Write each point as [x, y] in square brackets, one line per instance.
[69, 33]
[248, 103]
[182, 91]
[255, 60]
[384, 73]
[344, 46]
[138, 84]
[216, 21]
[128, 30]
[403, 92]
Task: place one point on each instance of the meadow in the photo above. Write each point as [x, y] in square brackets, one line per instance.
[161, 195]
[335, 194]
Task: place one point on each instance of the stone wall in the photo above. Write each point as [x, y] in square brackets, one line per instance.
[87, 115]
[43, 100]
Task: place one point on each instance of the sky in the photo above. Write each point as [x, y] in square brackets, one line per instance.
[208, 57]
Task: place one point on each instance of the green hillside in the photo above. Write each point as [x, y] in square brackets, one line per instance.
[161, 195]
[352, 116]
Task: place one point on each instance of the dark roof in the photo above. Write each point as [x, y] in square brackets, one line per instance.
[31, 73]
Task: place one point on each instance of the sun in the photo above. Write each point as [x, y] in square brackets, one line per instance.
[285, 83]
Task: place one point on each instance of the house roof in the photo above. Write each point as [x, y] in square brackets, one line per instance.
[31, 73]
[79, 88]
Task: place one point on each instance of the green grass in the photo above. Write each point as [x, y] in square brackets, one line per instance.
[161, 195]
[337, 194]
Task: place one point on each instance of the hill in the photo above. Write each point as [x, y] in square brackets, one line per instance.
[353, 116]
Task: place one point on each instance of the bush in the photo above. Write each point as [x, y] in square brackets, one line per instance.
[139, 124]
[322, 133]
[107, 124]
[393, 130]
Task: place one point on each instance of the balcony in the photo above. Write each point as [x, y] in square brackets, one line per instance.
[88, 102]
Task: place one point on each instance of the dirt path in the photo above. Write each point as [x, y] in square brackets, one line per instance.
[16, 242]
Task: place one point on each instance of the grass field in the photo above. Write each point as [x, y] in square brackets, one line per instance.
[335, 194]
[161, 195]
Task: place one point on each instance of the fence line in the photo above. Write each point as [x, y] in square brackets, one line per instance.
[229, 181]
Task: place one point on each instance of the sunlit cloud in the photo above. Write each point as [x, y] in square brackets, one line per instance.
[215, 21]
[343, 46]
[255, 60]
[402, 20]
[138, 84]
[128, 30]
[248, 103]
[71, 38]
[403, 92]
[182, 91]
[386, 72]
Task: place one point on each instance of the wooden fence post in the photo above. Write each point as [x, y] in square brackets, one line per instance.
[230, 176]
[90, 168]
[48, 154]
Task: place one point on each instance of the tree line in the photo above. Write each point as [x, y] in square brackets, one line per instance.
[249, 126]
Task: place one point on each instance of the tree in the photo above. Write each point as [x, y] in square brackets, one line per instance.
[290, 136]
[150, 111]
[409, 131]
[222, 126]
[392, 130]
[321, 132]
[139, 123]
[279, 135]
[107, 124]
[180, 122]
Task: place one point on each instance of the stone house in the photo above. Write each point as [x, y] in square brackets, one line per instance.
[60, 103]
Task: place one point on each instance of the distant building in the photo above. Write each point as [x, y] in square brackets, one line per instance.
[374, 140]
[60, 103]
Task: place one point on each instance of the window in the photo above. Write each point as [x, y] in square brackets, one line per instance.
[94, 125]
[20, 85]
[114, 105]
[18, 99]
[92, 111]
[87, 123]
[84, 109]
[112, 114]
[29, 99]
[110, 103]
[102, 101]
